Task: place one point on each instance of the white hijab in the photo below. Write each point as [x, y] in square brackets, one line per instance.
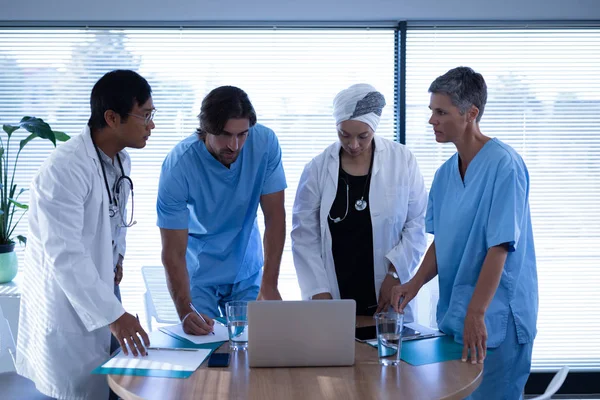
[360, 102]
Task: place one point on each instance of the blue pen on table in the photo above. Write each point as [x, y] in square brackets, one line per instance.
[201, 317]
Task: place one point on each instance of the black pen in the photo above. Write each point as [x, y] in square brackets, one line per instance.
[419, 337]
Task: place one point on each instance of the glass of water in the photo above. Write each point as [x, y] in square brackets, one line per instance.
[389, 337]
[237, 324]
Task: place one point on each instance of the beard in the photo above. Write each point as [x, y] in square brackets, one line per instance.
[227, 157]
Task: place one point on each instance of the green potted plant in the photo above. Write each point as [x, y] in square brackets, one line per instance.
[11, 210]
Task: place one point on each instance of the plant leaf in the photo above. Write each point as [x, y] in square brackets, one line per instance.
[1, 212]
[61, 136]
[19, 205]
[27, 140]
[9, 129]
[38, 127]
[1, 151]
[22, 239]
[20, 192]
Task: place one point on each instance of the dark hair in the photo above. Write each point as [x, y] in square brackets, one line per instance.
[221, 105]
[465, 87]
[117, 90]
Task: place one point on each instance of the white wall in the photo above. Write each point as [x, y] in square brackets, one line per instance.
[290, 10]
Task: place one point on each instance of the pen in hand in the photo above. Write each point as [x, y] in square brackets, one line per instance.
[201, 317]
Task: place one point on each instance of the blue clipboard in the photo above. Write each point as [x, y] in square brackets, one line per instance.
[429, 351]
[142, 372]
[160, 339]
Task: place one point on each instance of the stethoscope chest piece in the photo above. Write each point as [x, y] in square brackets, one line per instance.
[360, 204]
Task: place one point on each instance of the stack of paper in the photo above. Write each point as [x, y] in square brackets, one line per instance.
[166, 363]
[172, 354]
[221, 334]
[166, 360]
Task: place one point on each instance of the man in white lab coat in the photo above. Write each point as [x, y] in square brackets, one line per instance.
[76, 245]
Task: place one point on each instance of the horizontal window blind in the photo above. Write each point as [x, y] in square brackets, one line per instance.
[544, 100]
[291, 77]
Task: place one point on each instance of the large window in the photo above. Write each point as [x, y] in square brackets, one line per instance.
[291, 77]
[544, 100]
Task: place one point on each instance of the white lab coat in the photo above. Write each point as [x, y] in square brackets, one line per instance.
[68, 299]
[398, 202]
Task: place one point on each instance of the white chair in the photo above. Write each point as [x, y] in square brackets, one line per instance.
[12, 385]
[554, 384]
[157, 298]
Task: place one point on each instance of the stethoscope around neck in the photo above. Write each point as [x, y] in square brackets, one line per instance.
[113, 201]
[360, 204]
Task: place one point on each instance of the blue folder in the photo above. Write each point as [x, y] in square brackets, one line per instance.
[431, 350]
[159, 339]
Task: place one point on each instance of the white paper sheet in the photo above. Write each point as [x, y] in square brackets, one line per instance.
[168, 360]
[221, 334]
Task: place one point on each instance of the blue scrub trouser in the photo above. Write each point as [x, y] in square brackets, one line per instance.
[505, 369]
[210, 300]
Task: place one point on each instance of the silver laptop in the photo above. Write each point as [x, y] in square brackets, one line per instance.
[301, 333]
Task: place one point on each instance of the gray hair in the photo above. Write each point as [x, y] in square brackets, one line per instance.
[465, 87]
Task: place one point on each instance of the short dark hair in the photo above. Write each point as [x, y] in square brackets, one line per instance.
[465, 87]
[117, 91]
[221, 105]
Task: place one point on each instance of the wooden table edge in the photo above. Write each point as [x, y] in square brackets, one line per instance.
[458, 395]
[121, 391]
[465, 391]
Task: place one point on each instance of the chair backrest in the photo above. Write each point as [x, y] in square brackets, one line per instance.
[554, 384]
[157, 297]
[7, 341]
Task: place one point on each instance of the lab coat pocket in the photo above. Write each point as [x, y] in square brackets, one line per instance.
[79, 353]
[60, 316]
[396, 203]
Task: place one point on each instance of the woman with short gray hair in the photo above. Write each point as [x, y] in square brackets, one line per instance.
[483, 251]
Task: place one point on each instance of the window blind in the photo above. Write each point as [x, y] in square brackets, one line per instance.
[544, 100]
[290, 75]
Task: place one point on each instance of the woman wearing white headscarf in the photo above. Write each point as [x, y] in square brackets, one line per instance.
[358, 218]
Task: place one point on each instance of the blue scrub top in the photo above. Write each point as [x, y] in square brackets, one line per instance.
[218, 205]
[490, 207]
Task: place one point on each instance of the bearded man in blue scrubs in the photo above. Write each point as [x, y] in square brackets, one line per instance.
[483, 250]
[211, 185]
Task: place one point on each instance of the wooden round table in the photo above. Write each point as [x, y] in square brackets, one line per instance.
[365, 380]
